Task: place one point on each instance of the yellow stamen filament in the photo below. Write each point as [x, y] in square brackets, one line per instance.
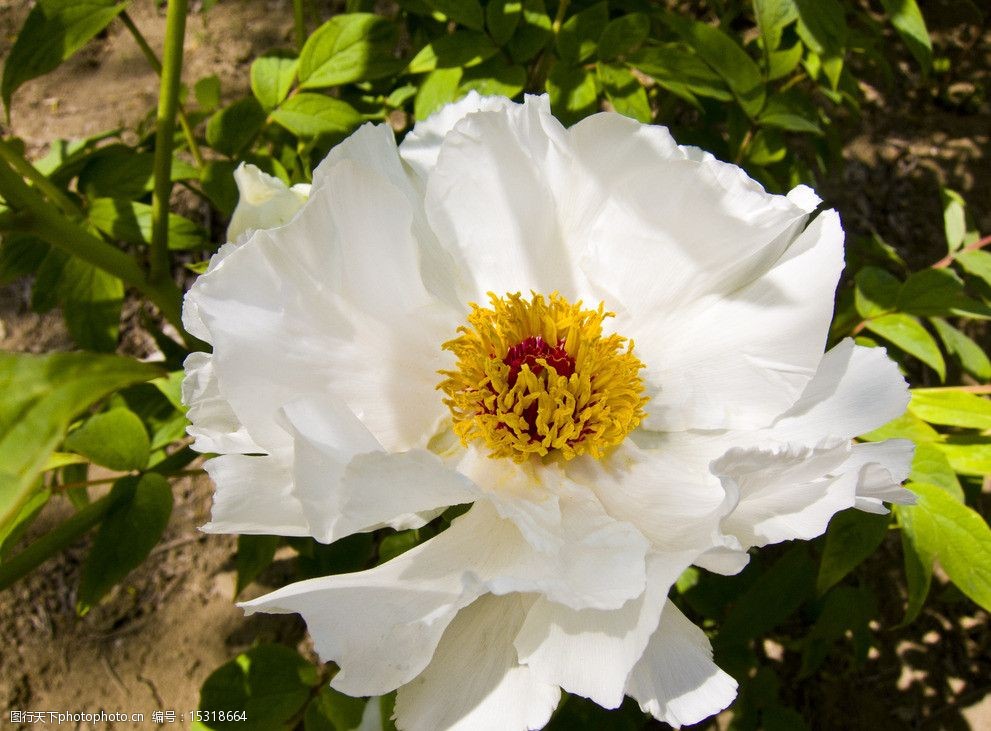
[538, 377]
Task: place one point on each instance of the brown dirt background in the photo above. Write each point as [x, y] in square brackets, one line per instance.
[153, 641]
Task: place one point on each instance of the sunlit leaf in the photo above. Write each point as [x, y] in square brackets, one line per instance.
[462, 48]
[271, 78]
[347, 48]
[115, 439]
[309, 115]
[908, 334]
[907, 19]
[953, 408]
[971, 356]
[956, 536]
[41, 395]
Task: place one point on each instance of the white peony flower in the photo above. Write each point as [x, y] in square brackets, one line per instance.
[610, 345]
[264, 201]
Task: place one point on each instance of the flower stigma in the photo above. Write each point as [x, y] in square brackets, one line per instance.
[538, 377]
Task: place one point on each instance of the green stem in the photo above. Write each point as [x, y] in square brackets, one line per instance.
[168, 101]
[29, 171]
[562, 8]
[50, 224]
[153, 61]
[58, 539]
[299, 23]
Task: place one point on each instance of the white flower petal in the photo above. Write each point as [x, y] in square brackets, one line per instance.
[254, 495]
[213, 424]
[648, 251]
[491, 202]
[591, 652]
[347, 483]
[676, 680]
[382, 625]
[422, 145]
[362, 328]
[855, 390]
[264, 201]
[568, 547]
[666, 492]
[785, 493]
[475, 682]
[737, 359]
[883, 466]
[374, 147]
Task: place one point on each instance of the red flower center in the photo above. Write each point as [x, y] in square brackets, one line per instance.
[535, 348]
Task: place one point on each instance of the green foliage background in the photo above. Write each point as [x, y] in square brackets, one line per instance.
[772, 85]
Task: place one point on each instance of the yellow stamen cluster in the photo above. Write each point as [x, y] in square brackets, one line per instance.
[524, 405]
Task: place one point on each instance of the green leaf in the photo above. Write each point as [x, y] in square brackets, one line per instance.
[782, 63]
[791, 111]
[18, 527]
[918, 563]
[727, 59]
[580, 33]
[461, 48]
[91, 303]
[908, 334]
[969, 354]
[347, 48]
[333, 711]
[272, 77]
[952, 408]
[572, 92]
[130, 221]
[494, 78]
[623, 35]
[968, 455]
[976, 263]
[207, 92]
[437, 89]
[254, 554]
[233, 128]
[905, 426]
[270, 684]
[876, 292]
[467, 12]
[309, 115]
[117, 171]
[20, 254]
[907, 19]
[681, 72]
[852, 536]
[954, 218]
[218, 184]
[772, 18]
[41, 396]
[127, 535]
[53, 31]
[822, 27]
[397, 544]
[502, 17]
[115, 439]
[771, 599]
[532, 33]
[766, 147]
[163, 420]
[931, 466]
[845, 611]
[957, 536]
[625, 92]
[938, 293]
